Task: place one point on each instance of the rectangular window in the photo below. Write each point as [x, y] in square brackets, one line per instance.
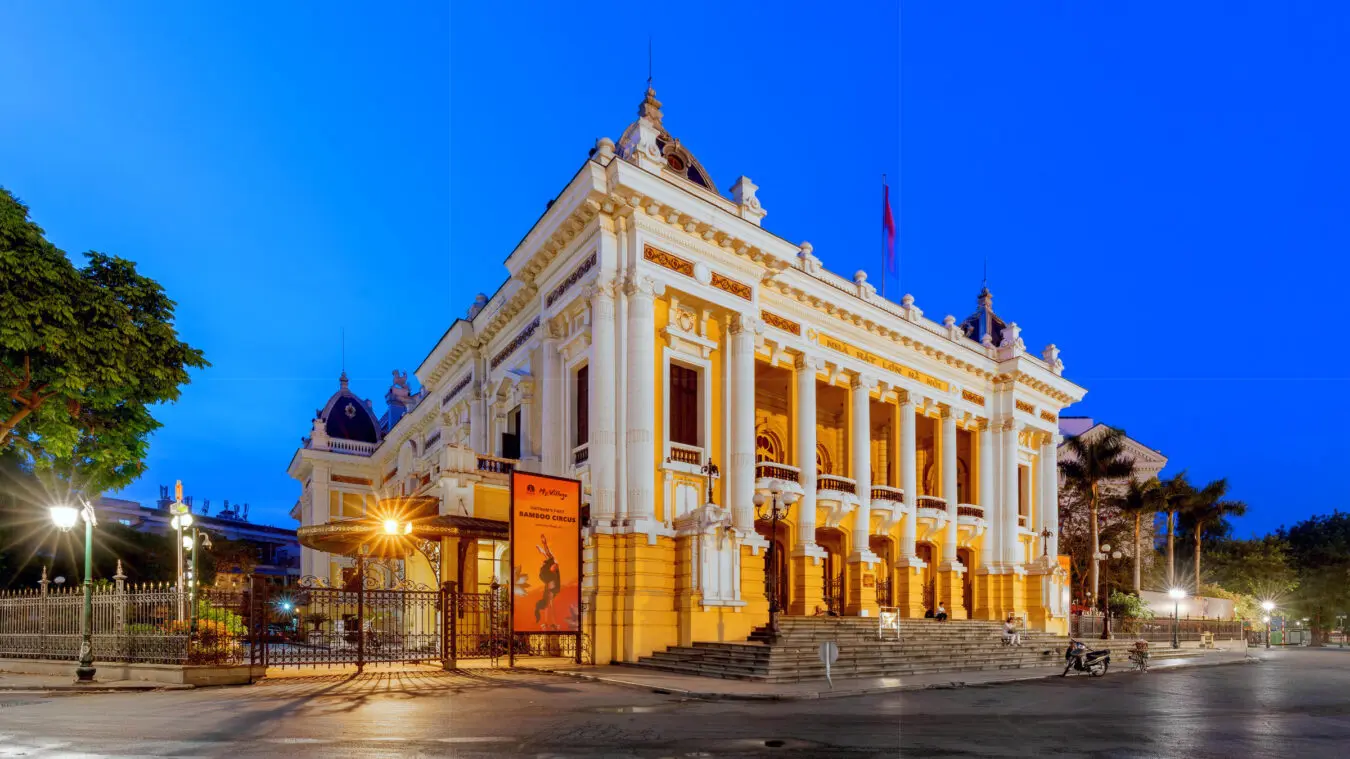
[1022, 501]
[683, 405]
[511, 436]
[583, 407]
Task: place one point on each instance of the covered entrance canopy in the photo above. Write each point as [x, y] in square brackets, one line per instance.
[395, 529]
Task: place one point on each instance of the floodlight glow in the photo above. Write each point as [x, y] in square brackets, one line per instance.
[391, 526]
[1176, 594]
[64, 517]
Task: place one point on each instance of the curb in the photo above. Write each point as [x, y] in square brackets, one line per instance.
[830, 694]
[96, 688]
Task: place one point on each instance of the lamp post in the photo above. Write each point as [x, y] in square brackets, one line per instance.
[181, 520]
[203, 540]
[1103, 555]
[1176, 594]
[1268, 607]
[1046, 534]
[65, 517]
[1340, 619]
[711, 471]
[777, 503]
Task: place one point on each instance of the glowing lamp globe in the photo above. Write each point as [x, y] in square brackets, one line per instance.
[64, 517]
[1176, 594]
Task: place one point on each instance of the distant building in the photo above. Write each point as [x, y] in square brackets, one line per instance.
[1148, 462]
[275, 549]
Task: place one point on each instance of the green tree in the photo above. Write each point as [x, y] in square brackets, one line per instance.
[1319, 549]
[1206, 512]
[1177, 492]
[1141, 499]
[84, 353]
[1088, 467]
[1259, 567]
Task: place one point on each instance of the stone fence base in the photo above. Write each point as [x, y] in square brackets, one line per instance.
[168, 674]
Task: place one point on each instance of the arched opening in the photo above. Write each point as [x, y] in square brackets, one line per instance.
[967, 558]
[926, 552]
[777, 579]
[832, 568]
[768, 447]
[884, 548]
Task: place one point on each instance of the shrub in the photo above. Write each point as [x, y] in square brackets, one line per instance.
[1128, 606]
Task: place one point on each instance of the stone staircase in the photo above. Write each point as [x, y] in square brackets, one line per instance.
[925, 646]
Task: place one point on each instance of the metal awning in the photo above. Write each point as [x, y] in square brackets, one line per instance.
[346, 537]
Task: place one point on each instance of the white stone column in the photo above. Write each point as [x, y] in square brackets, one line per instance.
[602, 402]
[554, 434]
[948, 452]
[987, 500]
[641, 442]
[1050, 493]
[806, 450]
[909, 475]
[1011, 535]
[860, 394]
[527, 452]
[479, 437]
[741, 473]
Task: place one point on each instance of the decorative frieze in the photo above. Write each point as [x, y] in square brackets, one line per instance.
[972, 397]
[1048, 416]
[457, 389]
[668, 260]
[778, 322]
[571, 280]
[875, 360]
[350, 480]
[739, 289]
[391, 474]
[1027, 407]
[519, 340]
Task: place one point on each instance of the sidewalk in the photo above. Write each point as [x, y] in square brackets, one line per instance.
[717, 689]
[49, 683]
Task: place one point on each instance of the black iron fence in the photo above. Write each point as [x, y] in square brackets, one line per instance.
[1158, 629]
[151, 623]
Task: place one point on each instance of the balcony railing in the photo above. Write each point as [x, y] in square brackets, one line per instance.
[339, 445]
[769, 470]
[496, 465]
[840, 484]
[581, 454]
[969, 510]
[685, 454]
[932, 502]
[887, 493]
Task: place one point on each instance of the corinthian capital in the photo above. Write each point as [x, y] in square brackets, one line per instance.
[746, 323]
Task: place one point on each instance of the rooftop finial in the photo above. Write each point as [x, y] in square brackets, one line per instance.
[651, 107]
[342, 379]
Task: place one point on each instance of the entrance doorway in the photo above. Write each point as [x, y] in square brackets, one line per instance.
[967, 558]
[884, 548]
[926, 553]
[777, 581]
[832, 540]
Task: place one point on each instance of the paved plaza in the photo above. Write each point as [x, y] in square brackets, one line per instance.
[1291, 703]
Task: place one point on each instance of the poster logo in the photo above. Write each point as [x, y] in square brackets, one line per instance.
[546, 550]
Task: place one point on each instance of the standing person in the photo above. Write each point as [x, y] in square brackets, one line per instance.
[941, 612]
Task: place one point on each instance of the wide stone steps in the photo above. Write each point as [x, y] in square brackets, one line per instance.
[925, 647]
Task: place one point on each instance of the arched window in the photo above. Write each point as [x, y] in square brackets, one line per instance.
[823, 463]
[768, 447]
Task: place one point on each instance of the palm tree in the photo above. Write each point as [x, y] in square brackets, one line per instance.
[1090, 465]
[1141, 499]
[1176, 495]
[1207, 510]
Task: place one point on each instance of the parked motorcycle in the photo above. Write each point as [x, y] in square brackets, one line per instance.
[1080, 659]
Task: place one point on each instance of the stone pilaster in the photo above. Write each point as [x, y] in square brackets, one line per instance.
[741, 473]
[641, 417]
[602, 403]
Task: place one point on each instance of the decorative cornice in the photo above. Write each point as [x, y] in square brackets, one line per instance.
[347, 480]
[571, 280]
[779, 322]
[457, 389]
[519, 340]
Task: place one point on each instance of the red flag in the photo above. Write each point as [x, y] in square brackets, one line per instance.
[888, 227]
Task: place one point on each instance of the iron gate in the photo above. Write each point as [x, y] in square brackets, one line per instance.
[325, 626]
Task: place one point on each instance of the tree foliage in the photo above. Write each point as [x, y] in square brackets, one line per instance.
[84, 353]
[1319, 550]
[1093, 462]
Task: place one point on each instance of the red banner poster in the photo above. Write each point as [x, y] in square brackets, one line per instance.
[545, 553]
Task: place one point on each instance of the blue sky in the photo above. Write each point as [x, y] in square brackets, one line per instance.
[1159, 190]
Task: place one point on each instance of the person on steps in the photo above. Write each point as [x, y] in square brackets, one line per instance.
[941, 612]
[1010, 635]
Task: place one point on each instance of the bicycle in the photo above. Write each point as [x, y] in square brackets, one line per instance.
[1139, 656]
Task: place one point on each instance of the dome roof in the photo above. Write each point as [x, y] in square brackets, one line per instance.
[984, 321]
[678, 160]
[348, 417]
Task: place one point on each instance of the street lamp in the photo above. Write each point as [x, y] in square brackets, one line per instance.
[64, 517]
[1340, 618]
[1176, 594]
[711, 471]
[1268, 607]
[1103, 555]
[777, 504]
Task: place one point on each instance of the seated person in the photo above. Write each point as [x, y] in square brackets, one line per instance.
[941, 612]
[1010, 635]
[928, 614]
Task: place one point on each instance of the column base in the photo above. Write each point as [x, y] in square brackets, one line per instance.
[909, 587]
[950, 590]
[808, 582]
[860, 600]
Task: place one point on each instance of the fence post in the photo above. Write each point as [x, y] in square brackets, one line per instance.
[120, 611]
[42, 613]
[361, 611]
[449, 605]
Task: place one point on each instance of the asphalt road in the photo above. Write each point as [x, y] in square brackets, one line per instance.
[1293, 704]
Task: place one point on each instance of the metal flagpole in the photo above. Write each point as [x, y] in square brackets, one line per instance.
[884, 262]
